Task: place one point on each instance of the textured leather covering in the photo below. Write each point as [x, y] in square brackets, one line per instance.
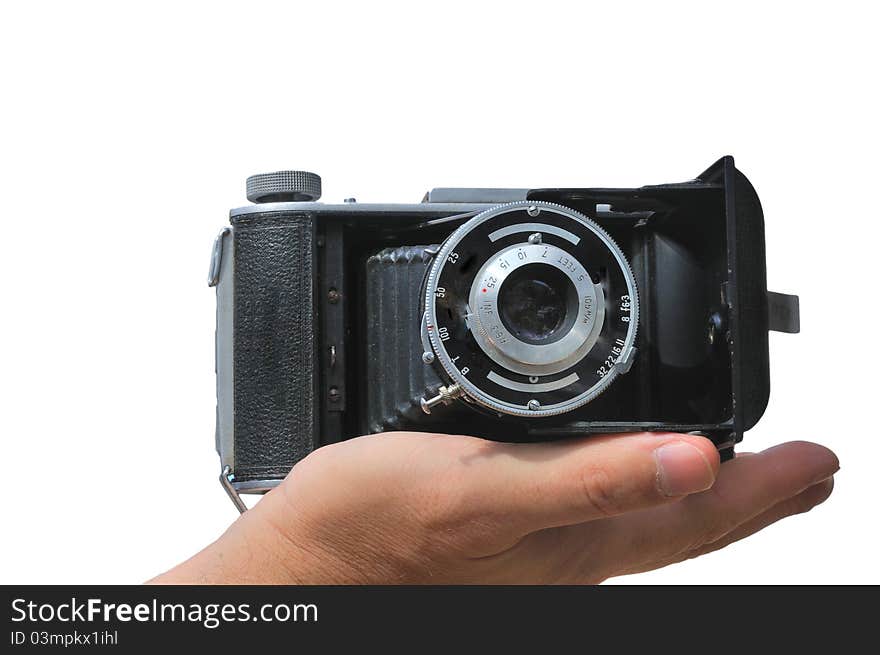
[274, 351]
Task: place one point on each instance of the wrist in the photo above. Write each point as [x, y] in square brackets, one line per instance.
[262, 546]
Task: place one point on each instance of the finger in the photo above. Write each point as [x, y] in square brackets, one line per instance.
[751, 485]
[803, 502]
[528, 487]
[639, 541]
[746, 487]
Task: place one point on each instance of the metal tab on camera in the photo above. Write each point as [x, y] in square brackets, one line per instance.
[226, 479]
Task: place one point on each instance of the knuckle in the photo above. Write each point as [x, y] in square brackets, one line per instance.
[599, 492]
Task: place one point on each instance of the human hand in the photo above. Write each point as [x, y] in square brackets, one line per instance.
[427, 508]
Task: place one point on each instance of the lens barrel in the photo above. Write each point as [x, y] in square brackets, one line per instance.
[530, 309]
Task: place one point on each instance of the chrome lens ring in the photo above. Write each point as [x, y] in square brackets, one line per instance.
[457, 331]
[496, 340]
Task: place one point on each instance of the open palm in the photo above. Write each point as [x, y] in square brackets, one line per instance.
[428, 508]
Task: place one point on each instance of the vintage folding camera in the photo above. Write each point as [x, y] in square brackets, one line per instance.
[511, 314]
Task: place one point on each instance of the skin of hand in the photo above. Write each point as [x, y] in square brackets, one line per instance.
[425, 508]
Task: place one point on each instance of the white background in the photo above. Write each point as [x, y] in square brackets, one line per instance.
[126, 133]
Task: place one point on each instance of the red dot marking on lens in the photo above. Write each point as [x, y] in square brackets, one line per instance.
[484, 291]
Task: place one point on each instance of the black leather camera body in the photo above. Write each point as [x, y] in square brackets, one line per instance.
[510, 314]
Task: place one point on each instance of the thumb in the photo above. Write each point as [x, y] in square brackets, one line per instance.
[529, 487]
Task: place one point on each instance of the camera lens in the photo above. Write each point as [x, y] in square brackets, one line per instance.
[527, 333]
[538, 304]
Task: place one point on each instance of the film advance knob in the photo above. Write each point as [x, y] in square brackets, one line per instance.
[284, 186]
